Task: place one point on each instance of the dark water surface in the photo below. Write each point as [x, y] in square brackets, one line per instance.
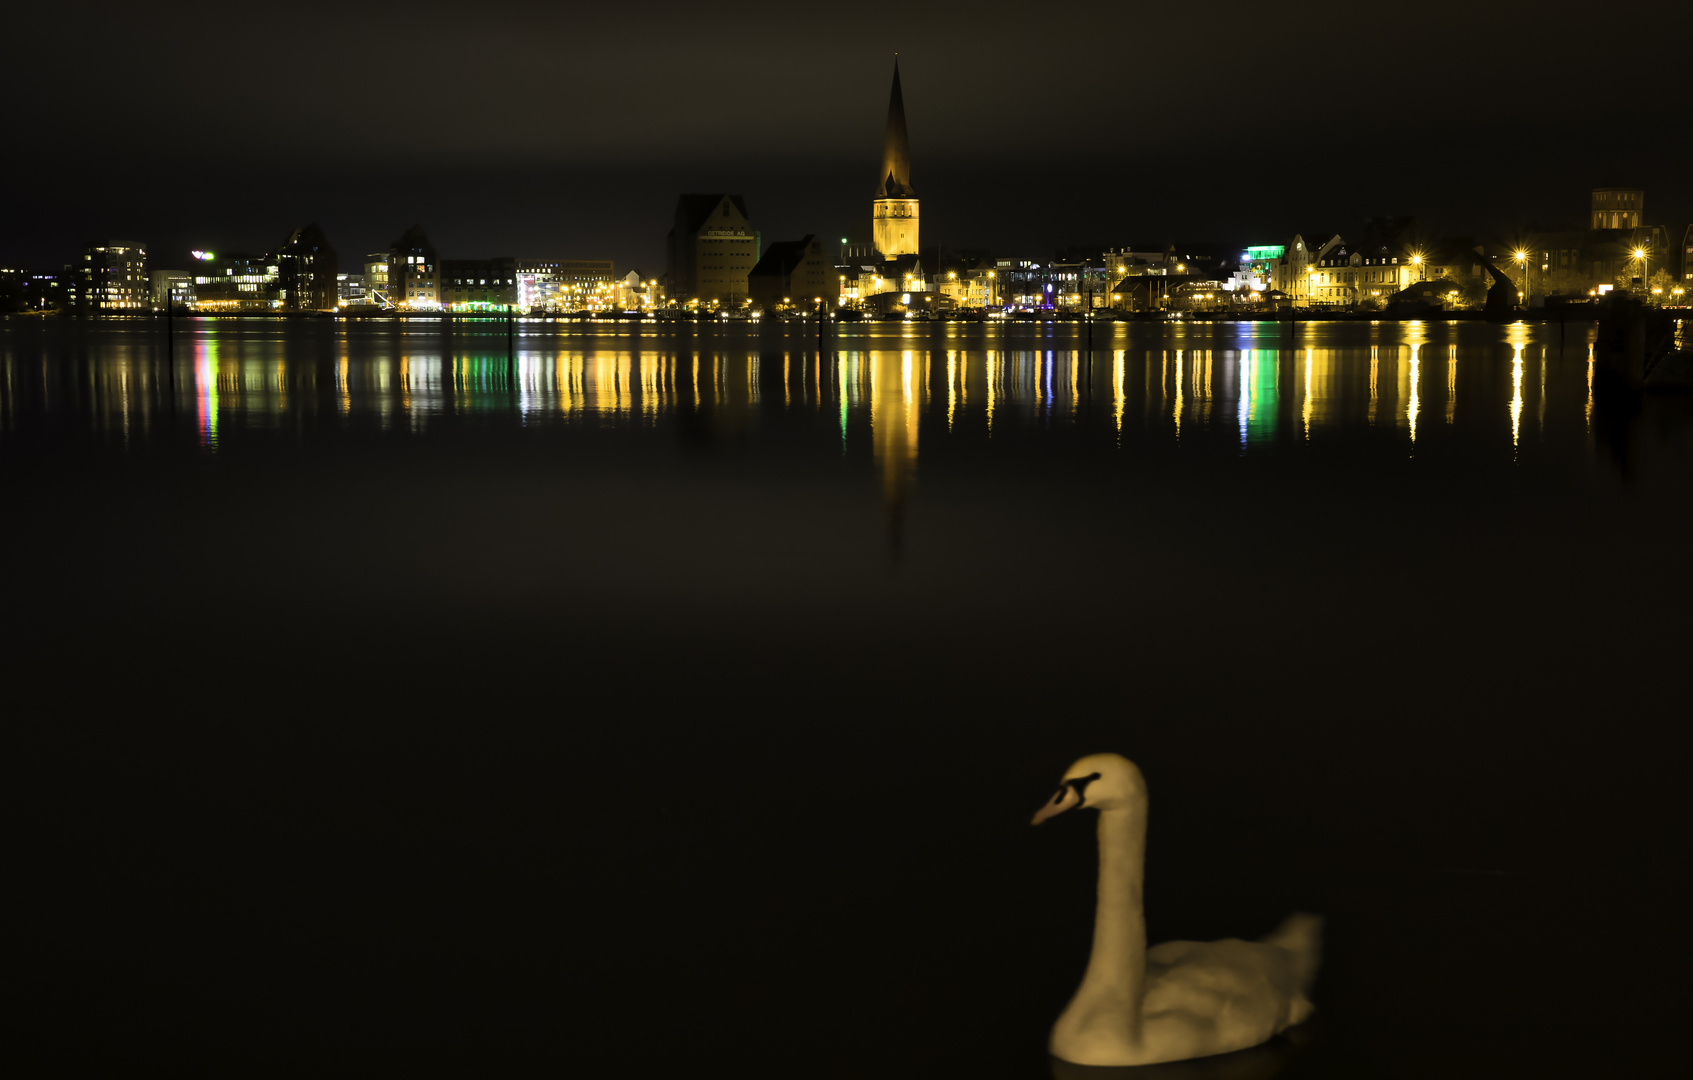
[666, 703]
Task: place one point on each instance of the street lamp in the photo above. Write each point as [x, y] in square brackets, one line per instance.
[1522, 260]
[1645, 276]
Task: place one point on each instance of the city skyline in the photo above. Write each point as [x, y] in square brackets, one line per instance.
[1034, 138]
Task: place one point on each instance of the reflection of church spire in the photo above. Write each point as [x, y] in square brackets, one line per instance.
[895, 391]
[895, 181]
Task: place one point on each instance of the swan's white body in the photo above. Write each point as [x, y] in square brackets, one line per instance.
[1181, 999]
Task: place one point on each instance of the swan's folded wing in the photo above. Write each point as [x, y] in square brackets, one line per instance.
[1243, 984]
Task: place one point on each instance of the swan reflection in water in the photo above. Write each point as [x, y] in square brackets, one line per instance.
[1263, 1062]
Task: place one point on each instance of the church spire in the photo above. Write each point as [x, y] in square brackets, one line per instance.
[895, 181]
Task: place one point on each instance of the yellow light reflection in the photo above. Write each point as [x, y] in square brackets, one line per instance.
[1306, 411]
[1117, 365]
[1411, 404]
[893, 422]
[1375, 367]
[951, 386]
[1451, 381]
[1516, 393]
[1177, 411]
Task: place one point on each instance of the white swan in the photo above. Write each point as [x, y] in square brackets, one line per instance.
[1181, 999]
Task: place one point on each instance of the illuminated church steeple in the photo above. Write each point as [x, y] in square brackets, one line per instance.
[895, 208]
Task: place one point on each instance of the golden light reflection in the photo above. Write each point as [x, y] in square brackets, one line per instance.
[951, 386]
[995, 365]
[1305, 412]
[1375, 370]
[1411, 403]
[1075, 381]
[1516, 393]
[1177, 411]
[894, 411]
[1117, 366]
[1517, 334]
[1451, 381]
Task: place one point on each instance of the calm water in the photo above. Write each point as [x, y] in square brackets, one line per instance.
[660, 702]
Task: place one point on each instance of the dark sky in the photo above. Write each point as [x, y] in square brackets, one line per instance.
[562, 130]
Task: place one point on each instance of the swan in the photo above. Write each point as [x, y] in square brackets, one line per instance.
[1181, 999]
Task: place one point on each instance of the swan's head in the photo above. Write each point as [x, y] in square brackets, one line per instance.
[1100, 781]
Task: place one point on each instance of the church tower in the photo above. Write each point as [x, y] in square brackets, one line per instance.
[895, 208]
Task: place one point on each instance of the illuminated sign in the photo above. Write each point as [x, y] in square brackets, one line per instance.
[204, 256]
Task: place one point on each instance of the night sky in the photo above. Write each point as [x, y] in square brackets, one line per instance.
[562, 130]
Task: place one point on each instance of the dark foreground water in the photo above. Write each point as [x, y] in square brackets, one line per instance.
[673, 704]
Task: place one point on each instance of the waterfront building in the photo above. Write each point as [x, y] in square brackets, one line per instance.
[1366, 273]
[349, 290]
[306, 270]
[794, 273]
[414, 271]
[479, 284]
[1034, 285]
[13, 285]
[24, 291]
[710, 250]
[634, 293]
[566, 284]
[236, 282]
[981, 287]
[171, 289]
[894, 210]
[113, 279]
[376, 289]
[1293, 274]
[1617, 208]
[1131, 262]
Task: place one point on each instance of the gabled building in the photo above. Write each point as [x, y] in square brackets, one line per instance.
[794, 273]
[306, 269]
[1370, 273]
[1293, 273]
[711, 248]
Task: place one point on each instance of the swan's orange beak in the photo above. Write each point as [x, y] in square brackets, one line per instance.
[1067, 798]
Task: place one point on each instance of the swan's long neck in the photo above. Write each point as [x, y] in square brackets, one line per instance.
[1117, 965]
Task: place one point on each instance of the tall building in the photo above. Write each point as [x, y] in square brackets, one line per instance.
[414, 271]
[306, 268]
[113, 279]
[376, 280]
[1617, 208]
[711, 249]
[894, 211]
